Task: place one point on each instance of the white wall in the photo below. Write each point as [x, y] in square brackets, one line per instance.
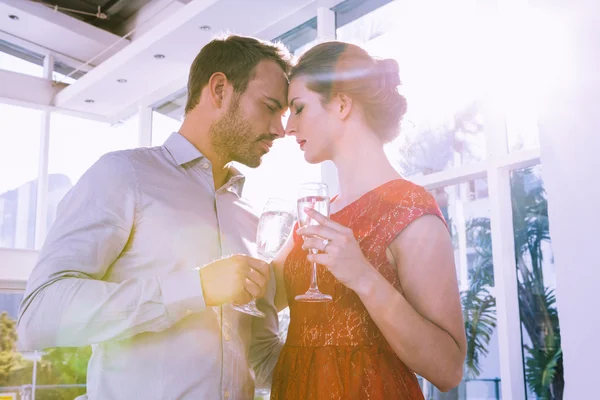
[570, 151]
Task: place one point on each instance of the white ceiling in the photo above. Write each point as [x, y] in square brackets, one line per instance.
[167, 27]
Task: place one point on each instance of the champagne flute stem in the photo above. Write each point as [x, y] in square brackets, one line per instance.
[313, 280]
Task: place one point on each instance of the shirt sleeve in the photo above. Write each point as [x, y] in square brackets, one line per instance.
[265, 345]
[66, 301]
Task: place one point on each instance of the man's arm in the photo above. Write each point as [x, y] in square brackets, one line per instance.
[66, 303]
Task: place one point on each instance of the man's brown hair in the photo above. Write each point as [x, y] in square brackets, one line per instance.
[237, 58]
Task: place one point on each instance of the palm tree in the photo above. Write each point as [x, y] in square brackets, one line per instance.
[432, 150]
[479, 305]
[539, 317]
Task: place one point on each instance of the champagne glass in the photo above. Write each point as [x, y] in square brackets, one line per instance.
[313, 195]
[274, 227]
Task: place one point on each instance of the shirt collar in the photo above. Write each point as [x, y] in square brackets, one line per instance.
[183, 152]
[181, 149]
[236, 181]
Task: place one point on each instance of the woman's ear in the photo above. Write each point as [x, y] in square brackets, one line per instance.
[344, 105]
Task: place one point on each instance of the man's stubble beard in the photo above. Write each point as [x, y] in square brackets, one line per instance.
[232, 138]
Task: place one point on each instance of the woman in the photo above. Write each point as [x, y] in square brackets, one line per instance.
[385, 254]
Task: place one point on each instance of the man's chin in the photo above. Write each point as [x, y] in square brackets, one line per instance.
[250, 163]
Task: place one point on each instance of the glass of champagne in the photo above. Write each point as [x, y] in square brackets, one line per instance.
[313, 195]
[274, 227]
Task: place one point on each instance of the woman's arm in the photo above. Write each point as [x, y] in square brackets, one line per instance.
[424, 325]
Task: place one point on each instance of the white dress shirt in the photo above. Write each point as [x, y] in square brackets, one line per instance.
[118, 271]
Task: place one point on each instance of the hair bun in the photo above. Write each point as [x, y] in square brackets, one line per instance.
[389, 72]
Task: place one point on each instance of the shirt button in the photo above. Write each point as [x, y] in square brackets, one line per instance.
[226, 394]
[204, 166]
[227, 338]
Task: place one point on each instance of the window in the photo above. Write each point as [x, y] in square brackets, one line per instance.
[468, 219]
[536, 282]
[536, 49]
[60, 373]
[17, 59]
[441, 75]
[16, 367]
[280, 174]
[58, 77]
[162, 127]
[65, 74]
[13, 60]
[76, 144]
[521, 124]
[299, 39]
[19, 153]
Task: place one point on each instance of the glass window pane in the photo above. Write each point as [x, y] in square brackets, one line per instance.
[299, 39]
[17, 369]
[15, 64]
[527, 74]
[521, 123]
[61, 373]
[536, 278]
[75, 144]
[442, 68]
[60, 78]
[466, 209]
[65, 74]
[162, 127]
[18, 59]
[271, 180]
[19, 160]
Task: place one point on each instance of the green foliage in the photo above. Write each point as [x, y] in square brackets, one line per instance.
[57, 366]
[539, 317]
[479, 306]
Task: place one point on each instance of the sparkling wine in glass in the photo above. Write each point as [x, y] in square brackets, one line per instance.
[274, 227]
[316, 196]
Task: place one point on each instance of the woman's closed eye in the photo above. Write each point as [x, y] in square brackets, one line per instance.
[299, 109]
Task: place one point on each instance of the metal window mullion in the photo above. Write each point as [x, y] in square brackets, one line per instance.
[503, 251]
[41, 208]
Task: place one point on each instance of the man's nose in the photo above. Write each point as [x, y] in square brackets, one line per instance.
[289, 127]
[277, 128]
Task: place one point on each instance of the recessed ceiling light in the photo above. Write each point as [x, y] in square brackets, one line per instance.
[122, 80]
[90, 101]
[159, 56]
[13, 17]
[205, 28]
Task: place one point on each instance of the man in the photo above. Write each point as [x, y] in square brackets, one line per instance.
[119, 269]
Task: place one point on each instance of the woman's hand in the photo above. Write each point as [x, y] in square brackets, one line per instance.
[341, 254]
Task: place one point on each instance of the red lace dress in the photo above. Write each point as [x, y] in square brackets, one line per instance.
[334, 350]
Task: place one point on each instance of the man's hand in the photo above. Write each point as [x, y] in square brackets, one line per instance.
[234, 280]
